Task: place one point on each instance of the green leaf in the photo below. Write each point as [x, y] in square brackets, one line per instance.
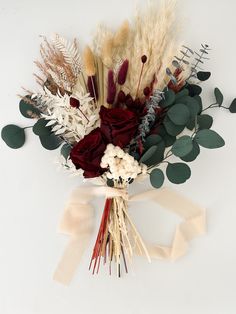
[219, 96]
[148, 154]
[199, 100]
[203, 76]
[153, 155]
[171, 128]
[193, 154]
[169, 98]
[168, 139]
[182, 146]
[178, 172]
[179, 114]
[182, 93]
[194, 89]
[13, 136]
[192, 104]
[28, 110]
[110, 183]
[209, 139]
[151, 140]
[50, 142]
[232, 107]
[65, 150]
[41, 129]
[191, 124]
[204, 121]
[157, 178]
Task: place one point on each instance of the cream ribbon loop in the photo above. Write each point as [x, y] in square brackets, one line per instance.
[77, 222]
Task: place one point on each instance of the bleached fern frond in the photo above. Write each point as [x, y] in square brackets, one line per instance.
[70, 123]
[70, 51]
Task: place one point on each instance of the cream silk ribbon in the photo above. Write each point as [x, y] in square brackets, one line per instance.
[77, 223]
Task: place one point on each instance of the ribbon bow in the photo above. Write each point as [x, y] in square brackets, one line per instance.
[77, 223]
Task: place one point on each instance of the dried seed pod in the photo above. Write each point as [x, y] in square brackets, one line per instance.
[111, 88]
[122, 74]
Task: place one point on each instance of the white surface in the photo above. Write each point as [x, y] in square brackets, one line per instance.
[33, 192]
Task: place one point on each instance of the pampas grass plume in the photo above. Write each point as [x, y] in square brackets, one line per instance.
[122, 34]
[89, 63]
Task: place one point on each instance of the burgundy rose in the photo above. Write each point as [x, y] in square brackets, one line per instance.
[87, 153]
[118, 125]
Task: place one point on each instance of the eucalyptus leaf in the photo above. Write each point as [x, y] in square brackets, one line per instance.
[182, 93]
[219, 96]
[65, 150]
[209, 139]
[204, 121]
[168, 139]
[50, 142]
[203, 76]
[28, 110]
[157, 178]
[192, 104]
[179, 114]
[171, 128]
[232, 107]
[182, 146]
[194, 89]
[178, 173]
[13, 135]
[151, 140]
[41, 129]
[193, 154]
[148, 154]
[169, 98]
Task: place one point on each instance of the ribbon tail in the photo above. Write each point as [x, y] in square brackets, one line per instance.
[71, 258]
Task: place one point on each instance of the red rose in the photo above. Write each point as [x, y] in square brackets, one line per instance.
[118, 125]
[87, 153]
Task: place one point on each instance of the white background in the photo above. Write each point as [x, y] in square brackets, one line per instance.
[33, 192]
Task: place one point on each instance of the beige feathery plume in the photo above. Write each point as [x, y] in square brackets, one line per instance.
[107, 51]
[89, 62]
[122, 34]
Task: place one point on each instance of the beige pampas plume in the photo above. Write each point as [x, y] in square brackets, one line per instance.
[122, 34]
[107, 51]
[89, 62]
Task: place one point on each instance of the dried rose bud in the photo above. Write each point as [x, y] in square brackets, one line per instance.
[144, 59]
[75, 103]
[146, 91]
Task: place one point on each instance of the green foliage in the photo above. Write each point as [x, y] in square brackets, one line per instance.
[168, 99]
[50, 142]
[179, 114]
[41, 129]
[65, 150]
[178, 173]
[151, 140]
[232, 107]
[219, 96]
[153, 155]
[171, 128]
[209, 139]
[204, 121]
[193, 154]
[182, 146]
[203, 76]
[27, 110]
[13, 136]
[157, 178]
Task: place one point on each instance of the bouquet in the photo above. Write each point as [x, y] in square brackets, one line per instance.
[119, 110]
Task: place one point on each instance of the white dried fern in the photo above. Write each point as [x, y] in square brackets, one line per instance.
[70, 52]
[66, 121]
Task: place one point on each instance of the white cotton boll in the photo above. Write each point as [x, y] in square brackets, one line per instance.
[110, 147]
[109, 175]
[103, 165]
[120, 153]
